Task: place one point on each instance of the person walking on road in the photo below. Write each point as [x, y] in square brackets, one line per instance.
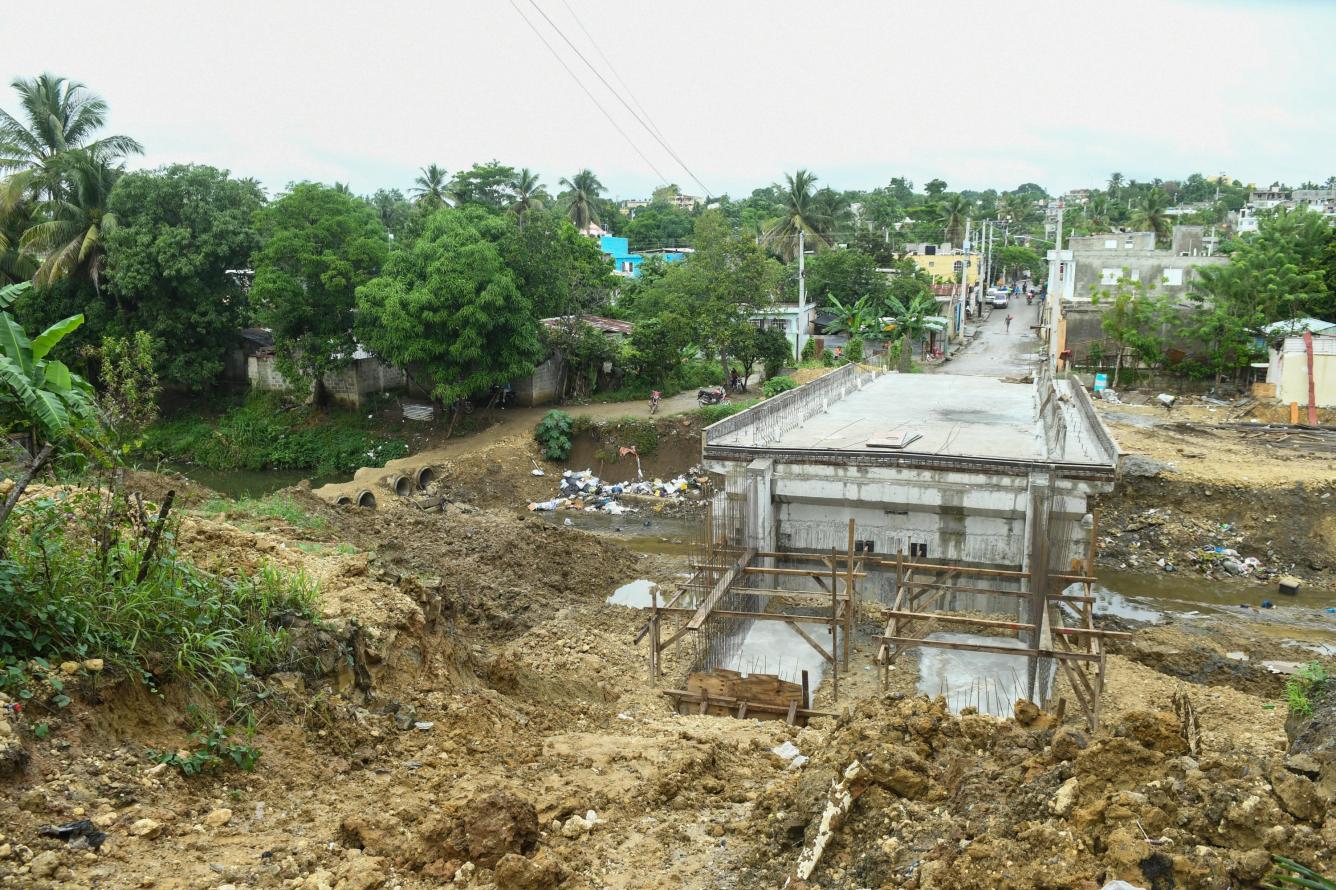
[1008, 323]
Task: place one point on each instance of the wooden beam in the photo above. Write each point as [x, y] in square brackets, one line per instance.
[959, 619]
[730, 703]
[720, 588]
[980, 647]
[810, 640]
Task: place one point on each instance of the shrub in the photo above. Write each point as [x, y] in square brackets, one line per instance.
[714, 413]
[70, 589]
[260, 435]
[809, 350]
[854, 352]
[1304, 687]
[828, 358]
[553, 434]
[776, 385]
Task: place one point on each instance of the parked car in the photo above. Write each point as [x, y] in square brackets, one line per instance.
[998, 297]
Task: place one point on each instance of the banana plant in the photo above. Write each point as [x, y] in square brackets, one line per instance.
[38, 393]
[1289, 873]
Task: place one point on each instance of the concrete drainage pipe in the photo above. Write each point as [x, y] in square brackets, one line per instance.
[425, 476]
[401, 484]
[366, 499]
[343, 500]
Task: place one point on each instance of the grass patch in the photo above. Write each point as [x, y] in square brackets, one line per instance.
[272, 507]
[639, 432]
[319, 549]
[1304, 687]
[714, 413]
[264, 434]
[70, 590]
[688, 377]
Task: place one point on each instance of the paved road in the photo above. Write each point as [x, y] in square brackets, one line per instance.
[997, 352]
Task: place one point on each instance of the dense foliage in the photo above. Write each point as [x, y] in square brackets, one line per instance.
[320, 245]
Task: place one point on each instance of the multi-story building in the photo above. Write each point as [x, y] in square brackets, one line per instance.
[943, 263]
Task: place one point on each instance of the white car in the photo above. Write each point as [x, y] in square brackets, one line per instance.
[997, 297]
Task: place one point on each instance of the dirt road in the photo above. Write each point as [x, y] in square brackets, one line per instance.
[512, 423]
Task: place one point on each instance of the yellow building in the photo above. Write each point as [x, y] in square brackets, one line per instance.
[942, 268]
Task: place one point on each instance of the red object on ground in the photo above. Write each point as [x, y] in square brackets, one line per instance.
[1312, 394]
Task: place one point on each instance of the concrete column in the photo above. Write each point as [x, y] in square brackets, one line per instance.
[760, 504]
[1038, 507]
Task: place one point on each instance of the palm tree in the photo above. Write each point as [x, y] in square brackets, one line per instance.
[1015, 208]
[529, 193]
[912, 317]
[834, 212]
[1097, 211]
[952, 214]
[1150, 215]
[429, 189]
[802, 213]
[583, 190]
[69, 237]
[15, 265]
[1115, 183]
[61, 116]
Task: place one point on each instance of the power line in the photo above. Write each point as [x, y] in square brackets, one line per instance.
[592, 97]
[611, 67]
[604, 81]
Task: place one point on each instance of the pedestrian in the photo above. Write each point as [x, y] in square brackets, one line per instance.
[1008, 323]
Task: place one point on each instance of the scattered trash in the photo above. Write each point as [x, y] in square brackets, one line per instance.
[1289, 584]
[1267, 604]
[424, 725]
[1120, 885]
[1109, 396]
[82, 831]
[583, 490]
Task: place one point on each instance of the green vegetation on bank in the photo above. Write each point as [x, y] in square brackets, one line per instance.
[260, 434]
[75, 586]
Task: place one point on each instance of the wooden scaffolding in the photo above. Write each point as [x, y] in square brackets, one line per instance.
[734, 582]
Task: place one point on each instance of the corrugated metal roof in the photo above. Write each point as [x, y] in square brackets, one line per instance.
[606, 325]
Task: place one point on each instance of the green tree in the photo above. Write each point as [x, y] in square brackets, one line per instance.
[1137, 320]
[1276, 275]
[581, 198]
[558, 270]
[656, 345]
[181, 229]
[448, 306]
[1015, 260]
[844, 275]
[430, 188]
[912, 317]
[952, 213]
[392, 208]
[320, 245]
[129, 387]
[1150, 215]
[490, 185]
[72, 224]
[39, 396]
[659, 225]
[800, 214]
[934, 188]
[856, 318]
[749, 344]
[61, 116]
[529, 194]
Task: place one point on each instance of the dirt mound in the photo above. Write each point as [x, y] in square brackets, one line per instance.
[973, 801]
[1290, 529]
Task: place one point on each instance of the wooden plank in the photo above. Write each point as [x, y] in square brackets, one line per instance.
[980, 647]
[1095, 632]
[810, 641]
[793, 712]
[959, 619]
[688, 697]
[718, 590]
[742, 710]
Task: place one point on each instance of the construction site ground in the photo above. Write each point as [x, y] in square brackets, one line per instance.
[469, 698]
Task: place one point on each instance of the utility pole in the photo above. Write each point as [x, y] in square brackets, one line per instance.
[1055, 295]
[802, 299]
[958, 312]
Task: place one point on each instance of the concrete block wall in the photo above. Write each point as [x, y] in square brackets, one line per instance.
[541, 387]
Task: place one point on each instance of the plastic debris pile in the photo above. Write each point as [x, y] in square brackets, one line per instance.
[583, 490]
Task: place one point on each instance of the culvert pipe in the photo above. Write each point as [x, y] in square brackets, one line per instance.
[425, 476]
[401, 484]
[366, 499]
[343, 500]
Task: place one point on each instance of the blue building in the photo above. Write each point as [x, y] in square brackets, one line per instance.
[618, 250]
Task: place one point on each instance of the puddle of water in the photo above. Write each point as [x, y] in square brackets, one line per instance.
[988, 681]
[772, 647]
[666, 535]
[238, 484]
[636, 594]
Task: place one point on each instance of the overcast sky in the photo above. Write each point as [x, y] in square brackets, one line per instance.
[982, 93]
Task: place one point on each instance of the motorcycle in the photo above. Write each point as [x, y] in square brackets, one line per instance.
[654, 402]
[711, 395]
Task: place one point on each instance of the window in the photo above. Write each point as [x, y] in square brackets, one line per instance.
[1110, 243]
[918, 551]
[1110, 276]
[1172, 278]
[1135, 274]
[1128, 245]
